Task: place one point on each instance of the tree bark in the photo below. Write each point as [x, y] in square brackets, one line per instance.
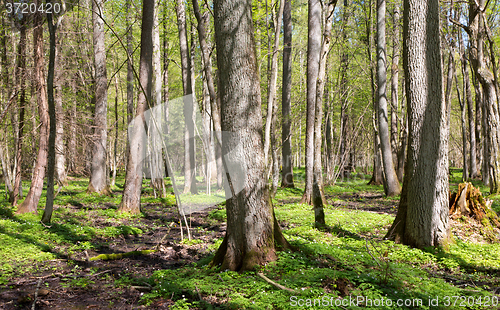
[30, 204]
[98, 175]
[395, 84]
[273, 78]
[61, 173]
[49, 204]
[422, 218]
[486, 79]
[251, 226]
[131, 199]
[286, 98]
[313, 56]
[391, 183]
[189, 163]
[21, 77]
[207, 68]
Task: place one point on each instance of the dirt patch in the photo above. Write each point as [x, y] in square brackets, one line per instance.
[370, 202]
[77, 283]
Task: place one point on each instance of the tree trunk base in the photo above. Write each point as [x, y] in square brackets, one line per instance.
[248, 261]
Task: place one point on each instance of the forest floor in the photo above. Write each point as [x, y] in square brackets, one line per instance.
[346, 266]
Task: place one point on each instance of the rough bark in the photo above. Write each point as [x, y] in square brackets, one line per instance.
[251, 226]
[32, 198]
[422, 218]
[131, 199]
[313, 56]
[286, 99]
[391, 183]
[98, 177]
[61, 173]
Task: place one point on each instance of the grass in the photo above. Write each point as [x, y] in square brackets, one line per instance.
[347, 260]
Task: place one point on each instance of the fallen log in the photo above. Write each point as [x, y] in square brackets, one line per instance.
[120, 255]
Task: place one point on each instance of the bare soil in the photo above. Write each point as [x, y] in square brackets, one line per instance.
[77, 283]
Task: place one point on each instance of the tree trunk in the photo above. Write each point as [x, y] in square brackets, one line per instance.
[131, 199]
[313, 56]
[21, 77]
[30, 204]
[470, 113]
[286, 98]
[157, 168]
[422, 218]
[207, 68]
[61, 173]
[486, 79]
[98, 177]
[251, 226]
[189, 164]
[49, 204]
[273, 78]
[395, 85]
[463, 110]
[391, 183]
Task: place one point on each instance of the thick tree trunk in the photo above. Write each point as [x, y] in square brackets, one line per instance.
[422, 218]
[313, 57]
[98, 177]
[30, 204]
[131, 199]
[391, 183]
[251, 226]
[286, 99]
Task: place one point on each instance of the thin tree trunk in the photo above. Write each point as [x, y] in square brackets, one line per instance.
[49, 204]
[32, 198]
[470, 113]
[131, 199]
[395, 84]
[98, 175]
[21, 76]
[286, 98]
[313, 57]
[189, 164]
[391, 183]
[61, 173]
[271, 93]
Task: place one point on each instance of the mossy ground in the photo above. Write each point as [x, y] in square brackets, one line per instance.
[346, 260]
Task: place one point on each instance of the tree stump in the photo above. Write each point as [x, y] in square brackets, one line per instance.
[468, 201]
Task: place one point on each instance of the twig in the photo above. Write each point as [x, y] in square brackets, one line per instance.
[161, 240]
[275, 284]
[36, 294]
[368, 249]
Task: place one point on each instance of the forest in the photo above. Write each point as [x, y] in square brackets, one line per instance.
[223, 154]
